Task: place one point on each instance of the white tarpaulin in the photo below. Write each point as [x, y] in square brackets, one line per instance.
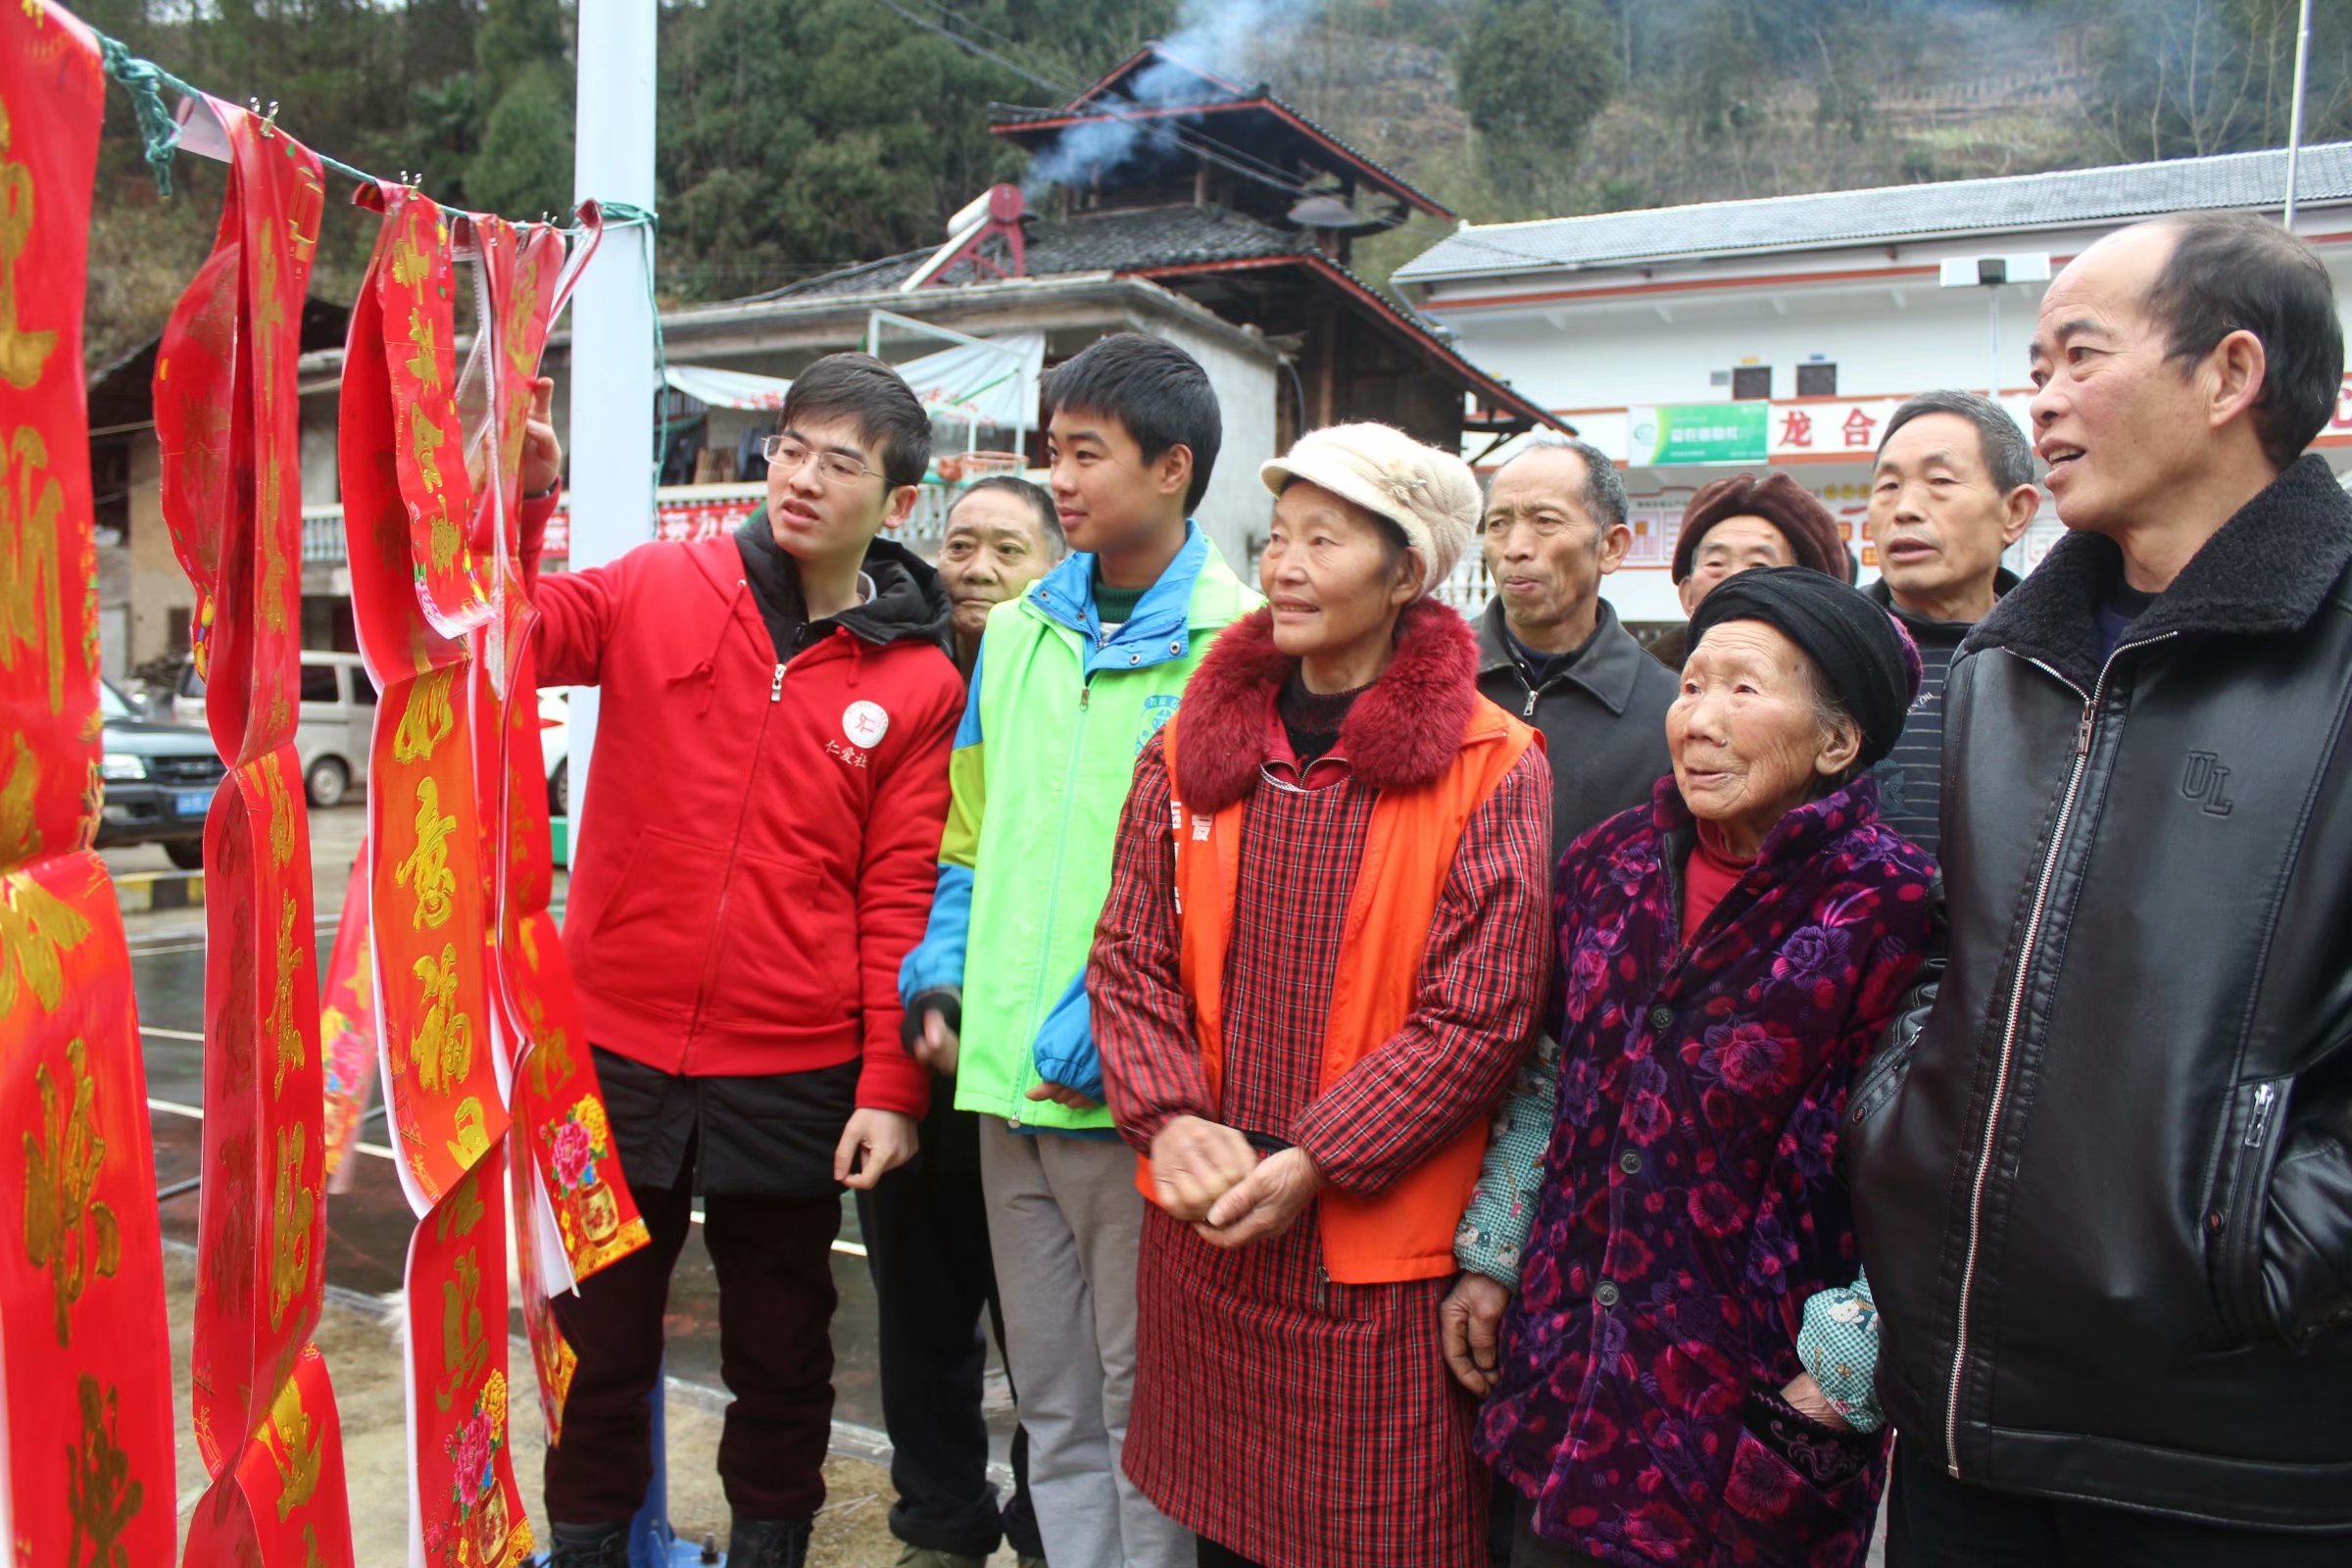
[992, 384]
[728, 389]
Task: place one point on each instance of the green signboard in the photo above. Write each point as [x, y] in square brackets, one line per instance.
[1673, 434]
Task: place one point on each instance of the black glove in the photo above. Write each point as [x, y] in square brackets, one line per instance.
[945, 1001]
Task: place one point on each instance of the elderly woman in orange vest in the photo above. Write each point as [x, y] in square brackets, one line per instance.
[1317, 970]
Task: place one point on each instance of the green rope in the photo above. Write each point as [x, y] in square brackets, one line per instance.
[145, 80]
[629, 214]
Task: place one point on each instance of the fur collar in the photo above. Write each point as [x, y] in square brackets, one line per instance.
[1402, 733]
[2264, 573]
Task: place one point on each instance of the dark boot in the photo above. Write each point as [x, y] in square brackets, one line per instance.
[768, 1543]
[589, 1547]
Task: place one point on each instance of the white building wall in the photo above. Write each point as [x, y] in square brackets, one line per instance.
[1594, 343]
[1234, 512]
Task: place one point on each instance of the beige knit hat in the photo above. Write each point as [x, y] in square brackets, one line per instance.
[1432, 495]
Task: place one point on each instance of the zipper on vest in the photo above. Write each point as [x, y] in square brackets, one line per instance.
[2084, 732]
[775, 687]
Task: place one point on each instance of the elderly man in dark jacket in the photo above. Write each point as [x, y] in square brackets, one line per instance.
[1552, 651]
[2102, 1171]
[1952, 488]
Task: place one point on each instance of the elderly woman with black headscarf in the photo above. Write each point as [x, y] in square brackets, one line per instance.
[1728, 958]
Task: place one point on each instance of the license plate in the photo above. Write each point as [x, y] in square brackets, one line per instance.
[192, 802]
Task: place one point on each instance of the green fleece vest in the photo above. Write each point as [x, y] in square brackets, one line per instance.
[1058, 755]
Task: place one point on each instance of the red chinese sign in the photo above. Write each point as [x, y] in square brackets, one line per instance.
[83, 1351]
[675, 517]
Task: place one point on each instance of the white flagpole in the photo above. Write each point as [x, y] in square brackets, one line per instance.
[2294, 121]
[612, 439]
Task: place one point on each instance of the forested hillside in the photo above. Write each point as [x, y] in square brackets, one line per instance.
[799, 134]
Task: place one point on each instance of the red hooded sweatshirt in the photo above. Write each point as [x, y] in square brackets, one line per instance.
[759, 840]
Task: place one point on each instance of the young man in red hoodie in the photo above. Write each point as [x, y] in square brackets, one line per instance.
[768, 786]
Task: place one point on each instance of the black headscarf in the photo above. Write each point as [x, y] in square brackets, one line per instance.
[1866, 660]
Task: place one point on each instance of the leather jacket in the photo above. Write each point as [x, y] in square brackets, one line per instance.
[2100, 1168]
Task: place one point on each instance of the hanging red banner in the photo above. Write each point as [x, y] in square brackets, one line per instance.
[289, 1502]
[425, 912]
[347, 1029]
[50, 88]
[85, 1447]
[425, 590]
[261, 1229]
[227, 421]
[560, 1127]
[465, 1510]
[81, 1289]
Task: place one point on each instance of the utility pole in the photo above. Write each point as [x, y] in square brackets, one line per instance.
[2294, 116]
[611, 438]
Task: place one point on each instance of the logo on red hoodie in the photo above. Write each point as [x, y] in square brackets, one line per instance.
[864, 723]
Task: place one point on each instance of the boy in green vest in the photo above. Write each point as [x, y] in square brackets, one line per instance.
[1071, 680]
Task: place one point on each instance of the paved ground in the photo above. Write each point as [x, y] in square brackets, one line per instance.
[367, 1231]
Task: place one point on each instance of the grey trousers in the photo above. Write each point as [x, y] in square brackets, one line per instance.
[1064, 1221]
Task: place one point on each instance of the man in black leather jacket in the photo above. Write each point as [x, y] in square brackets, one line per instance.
[2101, 1170]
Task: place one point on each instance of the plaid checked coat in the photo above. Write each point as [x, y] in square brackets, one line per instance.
[1296, 1420]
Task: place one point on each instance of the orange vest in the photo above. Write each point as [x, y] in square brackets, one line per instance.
[1407, 1232]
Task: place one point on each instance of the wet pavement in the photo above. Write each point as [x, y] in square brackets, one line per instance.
[369, 1225]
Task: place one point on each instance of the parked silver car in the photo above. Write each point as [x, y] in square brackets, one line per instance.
[332, 729]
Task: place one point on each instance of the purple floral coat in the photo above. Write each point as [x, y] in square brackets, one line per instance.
[1690, 1200]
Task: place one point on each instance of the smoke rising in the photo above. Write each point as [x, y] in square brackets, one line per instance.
[1222, 38]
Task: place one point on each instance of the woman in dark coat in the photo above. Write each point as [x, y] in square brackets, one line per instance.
[1729, 957]
[1316, 974]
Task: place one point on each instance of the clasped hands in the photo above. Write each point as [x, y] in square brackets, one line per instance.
[1207, 1175]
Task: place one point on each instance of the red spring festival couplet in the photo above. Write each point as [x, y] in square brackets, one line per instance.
[474, 1057]
[86, 1442]
[228, 422]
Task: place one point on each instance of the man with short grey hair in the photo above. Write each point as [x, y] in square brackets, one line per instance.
[1952, 489]
[1552, 651]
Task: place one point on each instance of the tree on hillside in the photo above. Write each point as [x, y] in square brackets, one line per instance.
[521, 87]
[2178, 77]
[801, 134]
[1532, 74]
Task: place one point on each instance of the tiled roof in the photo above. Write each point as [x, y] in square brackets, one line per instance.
[2119, 193]
[1009, 119]
[1101, 242]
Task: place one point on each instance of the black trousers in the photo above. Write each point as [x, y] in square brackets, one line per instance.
[774, 1259]
[1936, 1522]
[926, 1240]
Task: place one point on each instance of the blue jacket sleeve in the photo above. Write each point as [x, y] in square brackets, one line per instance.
[1064, 1051]
[937, 961]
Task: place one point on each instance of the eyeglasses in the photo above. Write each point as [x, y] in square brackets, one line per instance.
[791, 454]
